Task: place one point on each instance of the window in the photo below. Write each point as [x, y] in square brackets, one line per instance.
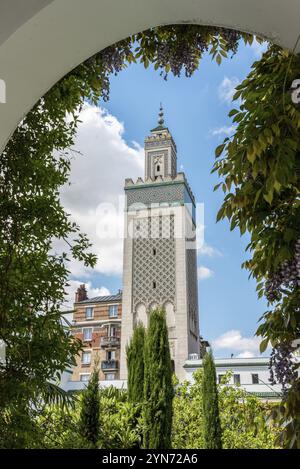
[113, 331]
[86, 358]
[87, 334]
[154, 252]
[220, 377]
[154, 284]
[109, 376]
[89, 312]
[113, 311]
[111, 355]
[158, 168]
[237, 379]
[85, 377]
[255, 378]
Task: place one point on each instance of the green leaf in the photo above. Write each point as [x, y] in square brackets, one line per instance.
[220, 214]
[269, 197]
[233, 112]
[219, 59]
[219, 150]
[217, 186]
[251, 155]
[263, 345]
[236, 95]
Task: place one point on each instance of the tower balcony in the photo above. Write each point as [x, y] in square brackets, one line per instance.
[109, 341]
[109, 365]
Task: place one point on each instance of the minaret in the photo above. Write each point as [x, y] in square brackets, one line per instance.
[162, 162]
[160, 264]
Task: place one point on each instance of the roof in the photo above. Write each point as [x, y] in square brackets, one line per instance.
[267, 394]
[230, 362]
[103, 299]
[158, 128]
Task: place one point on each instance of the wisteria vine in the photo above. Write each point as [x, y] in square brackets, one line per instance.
[282, 366]
[287, 276]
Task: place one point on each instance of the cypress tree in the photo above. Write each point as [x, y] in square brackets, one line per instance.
[211, 418]
[89, 420]
[158, 388]
[135, 364]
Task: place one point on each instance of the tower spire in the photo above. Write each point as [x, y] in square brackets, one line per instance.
[161, 119]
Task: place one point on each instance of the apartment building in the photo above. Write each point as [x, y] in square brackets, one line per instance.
[97, 323]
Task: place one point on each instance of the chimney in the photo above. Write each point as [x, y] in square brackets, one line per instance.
[81, 294]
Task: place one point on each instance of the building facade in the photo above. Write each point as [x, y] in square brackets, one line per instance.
[97, 323]
[159, 270]
[160, 264]
[252, 374]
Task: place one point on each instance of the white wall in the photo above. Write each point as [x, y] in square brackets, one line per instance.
[243, 367]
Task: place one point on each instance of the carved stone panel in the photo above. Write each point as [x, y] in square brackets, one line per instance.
[153, 261]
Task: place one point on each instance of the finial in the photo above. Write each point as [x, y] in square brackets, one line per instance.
[161, 115]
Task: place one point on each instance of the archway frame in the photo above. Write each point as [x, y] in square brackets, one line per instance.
[52, 94]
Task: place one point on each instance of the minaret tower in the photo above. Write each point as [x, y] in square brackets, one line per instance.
[160, 262]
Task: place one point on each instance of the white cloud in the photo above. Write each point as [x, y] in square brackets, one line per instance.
[226, 89]
[203, 249]
[246, 354]
[227, 130]
[92, 292]
[234, 341]
[95, 197]
[204, 272]
[258, 49]
[207, 250]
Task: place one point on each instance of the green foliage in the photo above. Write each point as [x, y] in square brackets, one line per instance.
[260, 168]
[288, 416]
[245, 420]
[59, 428]
[158, 388]
[211, 419]
[33, 167]
[118, 426]
[90, 410]
[187, 426]
[173, 48]
[18, 427]
[120, 421]
[135, 365]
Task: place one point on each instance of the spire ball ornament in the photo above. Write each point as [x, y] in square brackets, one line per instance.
[161, 115]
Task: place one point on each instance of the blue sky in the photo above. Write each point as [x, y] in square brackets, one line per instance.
[196, 111]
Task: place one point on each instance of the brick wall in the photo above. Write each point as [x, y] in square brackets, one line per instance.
[100, 324]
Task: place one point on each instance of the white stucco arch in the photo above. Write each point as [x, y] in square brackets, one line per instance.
[42, 40]
[141, 314]
[170, 314]
[152, 306]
